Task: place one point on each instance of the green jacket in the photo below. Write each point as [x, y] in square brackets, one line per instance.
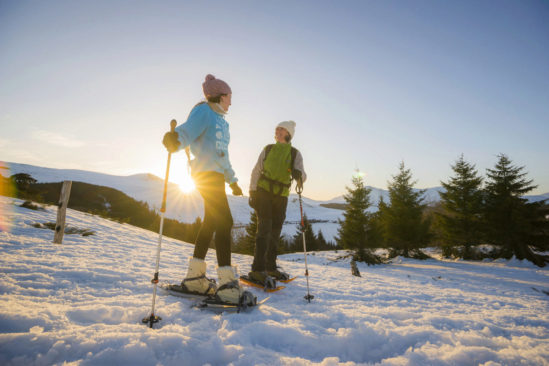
[273, 171]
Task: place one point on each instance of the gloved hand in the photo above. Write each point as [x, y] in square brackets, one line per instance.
[252, 201]
[299, 184]
[171, 141]
[236, 189]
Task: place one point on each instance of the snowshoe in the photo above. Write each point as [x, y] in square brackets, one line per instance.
[214, 305]
[182, 291]
[267, 283]
[279, 275]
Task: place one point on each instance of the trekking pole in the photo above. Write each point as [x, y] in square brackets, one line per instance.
[151, 319]
[299, 189]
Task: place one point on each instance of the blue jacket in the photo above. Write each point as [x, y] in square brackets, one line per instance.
[207, 133]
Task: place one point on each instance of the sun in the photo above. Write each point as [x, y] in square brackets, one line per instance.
[183, 180]
[180, 175]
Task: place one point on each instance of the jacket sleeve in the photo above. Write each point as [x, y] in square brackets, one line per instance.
[228, 172]
[256, 172]
[298, 165]
[194, 127]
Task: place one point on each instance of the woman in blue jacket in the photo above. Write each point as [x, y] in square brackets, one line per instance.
[206, 132]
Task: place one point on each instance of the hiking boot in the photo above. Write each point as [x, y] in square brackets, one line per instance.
[229, 290]
[280, 276]
[262, 278]
[196, 281]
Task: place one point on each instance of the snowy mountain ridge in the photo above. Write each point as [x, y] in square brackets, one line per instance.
[186, 207]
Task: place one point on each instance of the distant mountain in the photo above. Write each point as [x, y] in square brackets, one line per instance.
[186, 207]
[149, 188]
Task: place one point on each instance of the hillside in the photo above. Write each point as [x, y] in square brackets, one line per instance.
[182, 207]
[82, 303]
[186, 207]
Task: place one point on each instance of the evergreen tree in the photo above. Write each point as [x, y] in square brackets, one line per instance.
[22, 180]
[404, 229]
[321, 241]
[511, 222]
[23, 184]
[354, 229]
[461, 203]
[245, 244]
[310, 238]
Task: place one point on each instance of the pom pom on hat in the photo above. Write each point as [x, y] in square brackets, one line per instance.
[288, 126]
[213, 87]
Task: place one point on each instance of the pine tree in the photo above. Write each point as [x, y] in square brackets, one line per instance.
[246, 243]
[404, 229]
[354, 229]
[462, 208]
[310, 238]
[511, 222]
[321, 241]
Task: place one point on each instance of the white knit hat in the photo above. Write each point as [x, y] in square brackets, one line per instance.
[288, 126]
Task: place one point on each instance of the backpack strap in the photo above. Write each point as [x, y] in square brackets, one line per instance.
[296, 174]
[267, 151]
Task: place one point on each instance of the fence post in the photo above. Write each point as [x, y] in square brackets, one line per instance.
[61, 211]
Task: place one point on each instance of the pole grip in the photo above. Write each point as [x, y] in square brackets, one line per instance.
[173, 123]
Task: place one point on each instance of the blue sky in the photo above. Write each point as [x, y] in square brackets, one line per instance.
[93, 84]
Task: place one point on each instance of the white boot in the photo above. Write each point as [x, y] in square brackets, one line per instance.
[229, 291]
[196, 281]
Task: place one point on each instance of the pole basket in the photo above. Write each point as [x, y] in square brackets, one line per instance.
[151, 319]
[308, 297]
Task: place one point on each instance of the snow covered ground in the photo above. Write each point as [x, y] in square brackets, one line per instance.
[81, 303]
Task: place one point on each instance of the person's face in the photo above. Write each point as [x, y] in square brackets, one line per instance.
[280, 135]
[225, 102]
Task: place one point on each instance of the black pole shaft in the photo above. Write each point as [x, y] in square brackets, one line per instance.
[153, 318]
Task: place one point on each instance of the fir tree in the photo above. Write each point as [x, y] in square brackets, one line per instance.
[461, 203]
[404, 229]
[511, 222]
[310, 238]
[246, 243]
[354, 229]
[321, 241]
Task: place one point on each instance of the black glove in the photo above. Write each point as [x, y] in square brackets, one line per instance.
[236, 189]
[171, 141]
[299, 184]
[296, 174]
[252, 201]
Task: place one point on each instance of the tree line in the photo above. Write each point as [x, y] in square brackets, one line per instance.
[103, 201]
[473, 210]
[244, 243]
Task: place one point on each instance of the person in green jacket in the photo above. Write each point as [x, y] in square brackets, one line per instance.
[270, 184]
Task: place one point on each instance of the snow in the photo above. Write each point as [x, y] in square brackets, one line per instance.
[81, 303]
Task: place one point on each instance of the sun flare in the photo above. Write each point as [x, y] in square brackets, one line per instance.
[183, 179]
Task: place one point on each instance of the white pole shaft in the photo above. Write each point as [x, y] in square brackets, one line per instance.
[157, 260]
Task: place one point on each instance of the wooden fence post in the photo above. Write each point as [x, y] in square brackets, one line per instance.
[61, 211]
[354, 269]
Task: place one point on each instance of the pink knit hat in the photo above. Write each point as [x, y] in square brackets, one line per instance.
[215, 87]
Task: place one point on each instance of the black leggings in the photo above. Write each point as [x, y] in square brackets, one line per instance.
[271, 212]
[217, 217]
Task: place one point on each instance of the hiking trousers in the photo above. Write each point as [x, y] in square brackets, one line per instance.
[217, 217]
[271, 213]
